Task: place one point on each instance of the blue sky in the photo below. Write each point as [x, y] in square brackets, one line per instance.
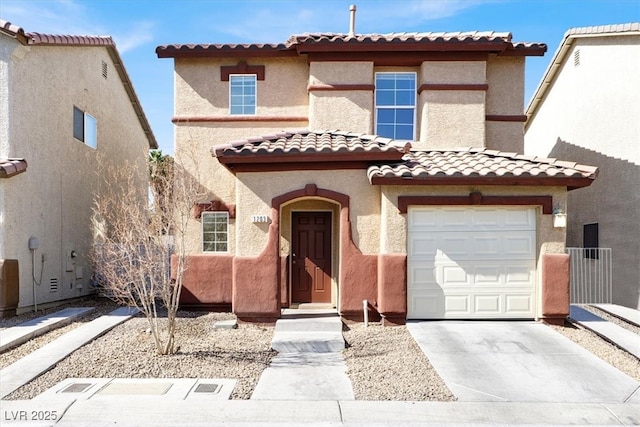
[138, 26]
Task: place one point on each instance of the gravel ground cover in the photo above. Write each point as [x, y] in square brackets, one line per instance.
[128, 351]
[382, 363]
[387, 364]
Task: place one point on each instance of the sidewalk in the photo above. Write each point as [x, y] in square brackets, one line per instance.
[29, 367]
[147, 411]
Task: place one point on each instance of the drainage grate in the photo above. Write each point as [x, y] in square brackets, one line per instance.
[76, 388]
[207, 388]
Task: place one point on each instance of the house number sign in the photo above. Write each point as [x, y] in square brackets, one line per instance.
[260, 218]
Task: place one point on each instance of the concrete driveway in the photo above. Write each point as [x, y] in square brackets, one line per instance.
[518, 362]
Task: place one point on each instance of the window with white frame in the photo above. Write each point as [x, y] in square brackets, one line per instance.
[215, 231]
[396, 105]
[242, 94]
[85, 127]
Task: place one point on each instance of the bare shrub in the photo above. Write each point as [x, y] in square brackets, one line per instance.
[135, 240]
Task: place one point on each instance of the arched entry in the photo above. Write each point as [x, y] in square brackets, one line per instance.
[309, 240]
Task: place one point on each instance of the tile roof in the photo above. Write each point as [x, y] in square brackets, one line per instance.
[604, 29]
[478, 163]
[393, 162]
[305, 142]
[474, 40]
[11, 167]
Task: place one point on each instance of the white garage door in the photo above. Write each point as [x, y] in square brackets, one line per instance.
[471, 263]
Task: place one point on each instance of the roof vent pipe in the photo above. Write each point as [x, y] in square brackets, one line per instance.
[352, 21]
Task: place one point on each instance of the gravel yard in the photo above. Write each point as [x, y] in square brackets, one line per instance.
[383, 363]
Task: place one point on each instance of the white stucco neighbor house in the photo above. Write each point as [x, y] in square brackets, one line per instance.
[67, 106]
[587, 108]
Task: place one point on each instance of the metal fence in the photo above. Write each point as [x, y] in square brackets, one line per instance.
[591, 275]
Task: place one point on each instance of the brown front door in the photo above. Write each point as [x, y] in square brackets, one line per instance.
[311, 257]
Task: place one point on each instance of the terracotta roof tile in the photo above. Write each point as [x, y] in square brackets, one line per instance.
[296, 142]
[498, 40]
[478, 163]
[11, 167]
[69, 40]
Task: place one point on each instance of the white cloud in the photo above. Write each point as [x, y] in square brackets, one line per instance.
[137, 34]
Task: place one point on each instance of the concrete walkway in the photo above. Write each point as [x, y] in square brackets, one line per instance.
[619, 336]
[23, 332]
[625, 313]
[519, 362]
[310, 365]
[26, 369]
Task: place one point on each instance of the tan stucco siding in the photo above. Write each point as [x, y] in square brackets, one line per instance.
[505, 136]
[505, 77]
[348, 110]
[453, 72]
[52, 201]
[255, 192]
[199, 90]
[343, 110]
[336, 73]
[452, 119]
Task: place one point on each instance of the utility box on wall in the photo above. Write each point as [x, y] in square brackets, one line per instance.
[9, 287]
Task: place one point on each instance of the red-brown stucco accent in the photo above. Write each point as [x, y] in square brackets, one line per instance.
[256, 281]
[358, 272]
[452, 86]
[506, 118]
[328, 87]
[213, 206]
[233, 118]
[476, 199]
[241, 68]
[207, 281]
[555, 287]
[392, 288]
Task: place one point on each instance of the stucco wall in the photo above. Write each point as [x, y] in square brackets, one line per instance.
[199, 90]
[256, 190]
[505, 97]
[344, 109]
[52, 201]
[452, 119]
[591, 115]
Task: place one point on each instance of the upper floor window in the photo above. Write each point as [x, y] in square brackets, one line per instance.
[215, 231]
[85, 127]
[242, 94]
[396, 105]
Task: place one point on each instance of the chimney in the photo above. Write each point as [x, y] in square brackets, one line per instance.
[352, 23]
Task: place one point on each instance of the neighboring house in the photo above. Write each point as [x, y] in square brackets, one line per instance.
[587, 109]
[67, 111]
[371, 200]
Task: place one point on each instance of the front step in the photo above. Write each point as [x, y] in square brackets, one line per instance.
[308, 334]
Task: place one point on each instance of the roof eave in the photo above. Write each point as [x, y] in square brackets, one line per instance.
[570, 182]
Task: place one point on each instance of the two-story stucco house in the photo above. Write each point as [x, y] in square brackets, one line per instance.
[67, 110]
[401, 186]
[587, 108]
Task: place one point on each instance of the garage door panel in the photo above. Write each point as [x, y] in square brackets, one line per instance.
[472, 245]
[466, 219]
[458, 304]
[478, 263]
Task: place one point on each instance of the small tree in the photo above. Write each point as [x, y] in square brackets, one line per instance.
[132, 259]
